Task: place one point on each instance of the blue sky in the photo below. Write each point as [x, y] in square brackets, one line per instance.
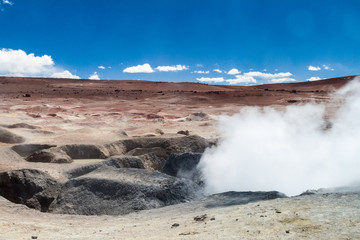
[258, 41]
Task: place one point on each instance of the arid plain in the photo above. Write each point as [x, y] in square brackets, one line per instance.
[62, 112]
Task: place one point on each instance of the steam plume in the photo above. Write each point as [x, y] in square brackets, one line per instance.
[289, 151]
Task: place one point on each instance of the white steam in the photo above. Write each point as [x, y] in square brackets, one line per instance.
[288, 151]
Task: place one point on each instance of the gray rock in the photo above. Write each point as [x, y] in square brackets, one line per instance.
[26, 150]
[238, 198]
[153, 162]
[120, 191]
[31, 187]
[85, 151]
[168, 145]
[158, 151]
[199, 116]
[182, 162]
[51, 155]
[184, 165]
[9, 137]
[148, 161]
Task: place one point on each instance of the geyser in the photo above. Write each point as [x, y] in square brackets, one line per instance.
[288, 151]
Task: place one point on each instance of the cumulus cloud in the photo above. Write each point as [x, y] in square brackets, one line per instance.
[199, 65]
[217, 70]
[64, 74]
[101, 67]
[233, 71]
[253, 77]
[172, 68]
[202, 72]
[312, 68]
[282, 80]
[18, 63]
[94, 76]
[145, 68]
[241, 79]
[206, 79]
[268, 75]
[314, 79]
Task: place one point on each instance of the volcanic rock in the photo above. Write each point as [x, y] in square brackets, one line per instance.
[184, 132]
[26, 150]
[85, 151]
[51, 155]
[120, 191]
[199, 116]
[158, 151]
[153, 162]
[31, 187]
[169, 145]
[238, 198]
[184, 165]
[147, 161]
[9, 137]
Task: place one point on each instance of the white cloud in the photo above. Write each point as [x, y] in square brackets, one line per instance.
[314, 79]
[94, 76]
[253, 77]
[101, 67]
[202, 72]
[64, 74]
[206, 79]
[7, 2]
[172, 68]
[217, 70]
[312, 68]
[282, 80]
[19, 63]
[145, 68]
[327, 67]
[268, 75]
[233, 71]
[199, 65]
[241, 79]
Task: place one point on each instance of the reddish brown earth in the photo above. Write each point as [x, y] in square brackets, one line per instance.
[96, 112]
[140, 107]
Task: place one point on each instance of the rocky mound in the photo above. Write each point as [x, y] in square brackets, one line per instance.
[120, 191]
[9, 137]
[161, 146]
[148, 161]
[31, 187]
[26, 150]
[85, 151]
[51, 155]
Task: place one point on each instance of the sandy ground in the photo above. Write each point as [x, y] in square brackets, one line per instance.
[329, 216]
[97, 112]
